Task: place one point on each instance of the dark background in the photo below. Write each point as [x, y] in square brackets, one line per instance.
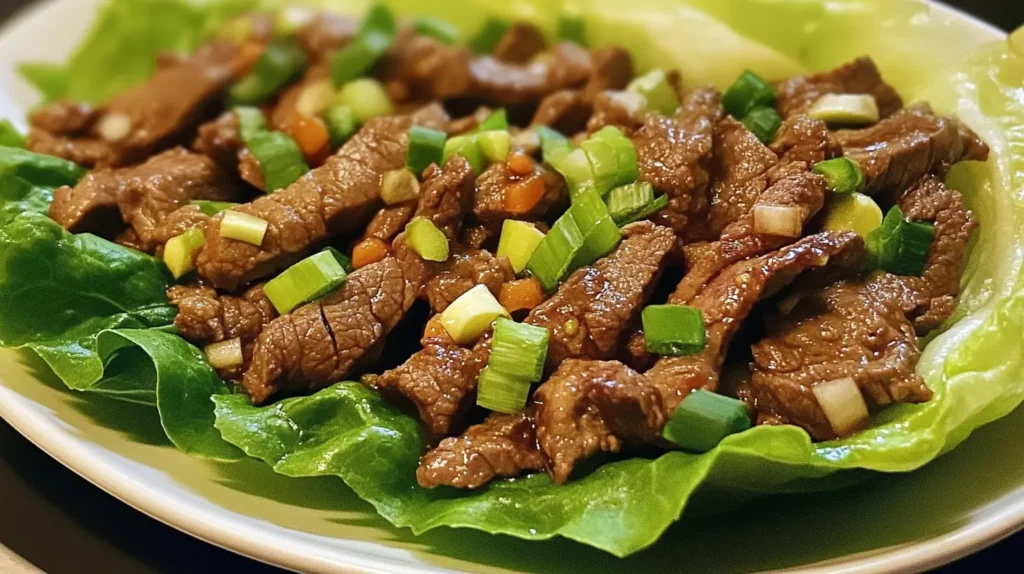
[62, 524]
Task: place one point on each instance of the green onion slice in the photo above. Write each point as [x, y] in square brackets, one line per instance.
[212, 208]
[495, 145]
[426, 146]
[551, 261]
[900, 246]
[546, 134]
[674, 329]
[426, 239]
[250, 121]
[376, 35]
[626, 200]
[659, 203]
[763, 122]
[600, 233]
[842, 174]
[488, 37]
[498, 120]
[469, 316]
[343, 260]
[468, 146]
[225, 354]
[367, 98]
[436, 28]
[703, 419]
[341, 124]
[180, 251]
[573, 164]
[10, 136]
[307, 280]
[519, 240]
[282, 60]
[747, 93]
[501, 392]
[280, 159]
[571, 29]
[657, 91]
[612, 157]
[519, 350]
[243, 227]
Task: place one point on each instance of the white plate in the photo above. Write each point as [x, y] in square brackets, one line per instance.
[958, 504]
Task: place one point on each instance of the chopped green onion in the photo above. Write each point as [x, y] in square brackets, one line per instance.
[212, 208]
[845, 109]
[900, 246]
[763, 122]
[344, 260]
[659, 203]
[367, 99]
[519, 350]
[570, 29]
[250, 121]
[468, 146]
[573, 164]
[225, 354]
[703, 419]
[746, 94]
[10, 136]
[674, 329]
[243, 227]
[519, 239]
[495, 145]
[778, 220]
[501, 392]
[309, 279]
[842, 174]
[612, 157]
[487, 39]
[281, 160]
[469, 316]
[426, 239]
[546, 134]
[498, 120]
[551, 261]
[600, 233]
[853, 212]
[376, 35]
[625, 200]
[437, 28]
[843, 404]
[399, 186]
[341, 124]
[180, 251]
[657, 91]
[282, 60]
[426, 146]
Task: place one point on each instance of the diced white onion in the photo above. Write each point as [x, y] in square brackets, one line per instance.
[315, 98]
[632, 102]
[399, 186]
[843, 405]
[469, 316]
[225, 354]
[526, 140]
[114, 127]
[778, 220]
[845, 109]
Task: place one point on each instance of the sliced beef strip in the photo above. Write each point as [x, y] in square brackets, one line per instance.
[447, 194]
[897, 151]
[796, 95]
[495, 81]
[520, 43]
[495, 181]
[565, 111]
[675, 156]
[221, 139]
[422, 68]
[501, 446]
[206, 317]
[478, 235]
[463, 271]
[805, 140]
[325, 34]
[177, 222]
[470, 122]
[621, 109]
[611, 69]
[390, 221]
[159, 112]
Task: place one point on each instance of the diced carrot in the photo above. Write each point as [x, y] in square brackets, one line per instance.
[520, 164]
[523, 196]
[312, 136]
[524, 294]
[369, 250]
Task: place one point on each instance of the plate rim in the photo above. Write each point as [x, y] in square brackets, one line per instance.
[256, 543]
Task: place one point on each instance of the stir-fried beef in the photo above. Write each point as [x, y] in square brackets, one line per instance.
[221, 139]
[446, 195]
[495, 81]
[141, 196]
[326, 34]
[177, 222]
[501, 446]
[797, 95]
[897, 151]
[489, 202]
[206, 317]
[611, 69]
[153, 116]
[739, 175]
[462, 272]
[803, 139]
[390, 221]
[422, 68]
[520, 43]
[564, 110]
[623, 110]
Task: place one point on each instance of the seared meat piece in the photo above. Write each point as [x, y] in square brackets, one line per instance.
[422, 68]
[206, 317]
[141, 196]
[477, 236]
[177, 222]
[446, 195]
[675, 154]
[803, 139]
[501, 446]
[221, 140]
[326, 34]
[462, 272]
[897, 151]
[521, 42]
[390, 221]
[63, 117]
[489, 201]
[611, 69]
[333, 338]
[506, 84]
[564, 110]
[337, 198]
[617, 108]
[154, 115]
[797, 95]
[470, 122]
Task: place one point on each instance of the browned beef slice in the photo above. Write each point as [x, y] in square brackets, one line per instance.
[588, 315]
[178, 222]
[496, 179]
[390, 221]
[439, 380]
[520, 43]
[206, 317]
[336, 198]
[478, 235]
[326, 34]
[797, 95]
[564, 110]
[803, 139]
[850, 329]
[221, 140]
[897, 151]
[470, 122]
[63, 117]
[422, 68]
[612, 69]
[446, 194]
[463, 271]
[502, 446]
[621, 109]
[495, 81]
[675, 154]
[330, 339]
[159, 112]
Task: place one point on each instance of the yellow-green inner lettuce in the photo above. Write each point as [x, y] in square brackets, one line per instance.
[111, 334]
